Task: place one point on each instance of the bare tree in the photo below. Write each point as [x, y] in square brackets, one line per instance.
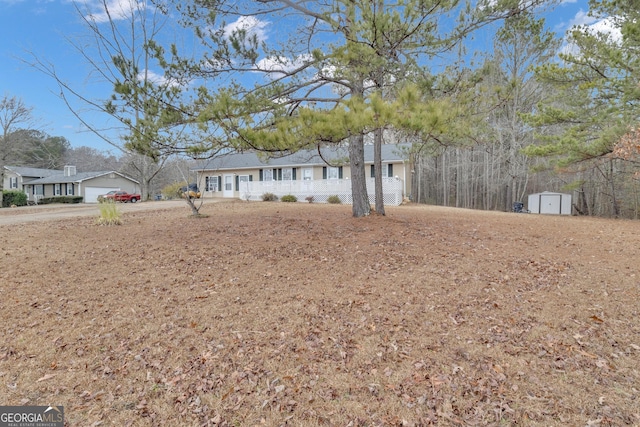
[14, 115]
[91, 159]
[124, 48]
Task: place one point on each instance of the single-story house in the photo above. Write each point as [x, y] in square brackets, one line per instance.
[38, 183]
[303, 174]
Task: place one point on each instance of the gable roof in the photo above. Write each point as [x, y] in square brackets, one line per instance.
[248, 160]
[61, 178]
[27, 172]
[53, 176]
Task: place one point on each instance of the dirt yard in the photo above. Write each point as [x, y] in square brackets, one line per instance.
[298, 314]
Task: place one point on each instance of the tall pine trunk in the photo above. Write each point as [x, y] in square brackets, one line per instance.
[361, 206]
[377, 170]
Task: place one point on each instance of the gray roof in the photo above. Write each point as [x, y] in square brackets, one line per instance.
[27, 172]
[52, 176]
[61, 178]
[248, 160]
[78, 177]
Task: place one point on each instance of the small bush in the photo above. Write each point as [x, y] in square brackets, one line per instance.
[334, 200]
[13, 197]
[173, 191]
[109, 214]
[269, 197]
[59, 199]
[289, 198]
[309, 199]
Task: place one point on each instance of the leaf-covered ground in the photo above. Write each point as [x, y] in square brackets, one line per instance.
[298, 314]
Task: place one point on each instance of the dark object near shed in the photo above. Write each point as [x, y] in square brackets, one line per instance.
[518, 207]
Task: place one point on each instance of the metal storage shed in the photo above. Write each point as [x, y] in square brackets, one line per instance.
[548, 202]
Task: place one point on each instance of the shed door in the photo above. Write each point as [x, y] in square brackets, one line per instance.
[550, 203]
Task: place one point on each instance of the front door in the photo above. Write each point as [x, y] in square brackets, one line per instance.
[227, 190]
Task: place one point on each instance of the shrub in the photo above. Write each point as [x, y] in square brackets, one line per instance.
[13, 197]
[289, 198]
[109, 214]
[269, 197]
[59, 199]
[334, 200]
[173, 191]
[309, 199]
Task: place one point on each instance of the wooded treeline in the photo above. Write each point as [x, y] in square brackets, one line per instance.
[476, 178]
[564, 122]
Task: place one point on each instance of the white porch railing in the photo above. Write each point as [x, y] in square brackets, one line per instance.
[392, 190]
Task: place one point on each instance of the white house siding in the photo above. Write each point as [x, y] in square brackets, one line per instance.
[321, 190]
[394, 188]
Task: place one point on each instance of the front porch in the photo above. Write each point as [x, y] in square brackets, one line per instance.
[321, 190]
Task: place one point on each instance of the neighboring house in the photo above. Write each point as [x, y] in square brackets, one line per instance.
[305, 173]
[38, 183]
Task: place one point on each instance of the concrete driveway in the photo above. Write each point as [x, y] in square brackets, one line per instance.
[25, 214]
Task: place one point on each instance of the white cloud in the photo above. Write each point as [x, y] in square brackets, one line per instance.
[581, 18]
[282, 65]
[592, 25]
[252, 26]
[158, 79]
[606, 26]
[490, 4]
[114, 9]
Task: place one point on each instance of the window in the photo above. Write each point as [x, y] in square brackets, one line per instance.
[267, 175]
[287, 174]
[387, 171]
[332, 173]
[38, 190]
[212, 183]
[228, 183]
[69, 191]
[56, 190]
[13, 182]
[307, 174]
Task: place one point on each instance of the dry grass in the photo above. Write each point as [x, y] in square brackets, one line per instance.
[297, 314]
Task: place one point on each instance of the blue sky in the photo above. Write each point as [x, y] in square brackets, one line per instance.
[41, 27]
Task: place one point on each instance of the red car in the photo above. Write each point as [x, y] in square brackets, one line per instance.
[119, 196]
